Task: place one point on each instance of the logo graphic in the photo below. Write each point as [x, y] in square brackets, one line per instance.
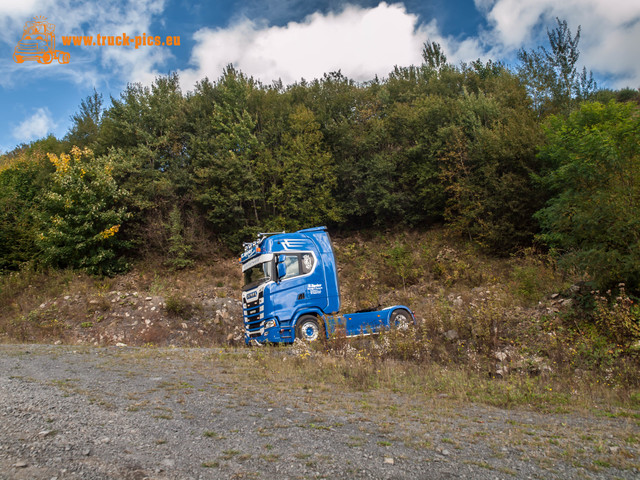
[38, 43]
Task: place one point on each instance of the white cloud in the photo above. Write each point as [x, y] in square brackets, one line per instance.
[361, 42]
[36, 126]
[610, 31]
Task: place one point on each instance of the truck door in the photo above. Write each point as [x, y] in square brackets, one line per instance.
[302, 286]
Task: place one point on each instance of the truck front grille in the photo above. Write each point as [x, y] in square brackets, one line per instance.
[253, 313]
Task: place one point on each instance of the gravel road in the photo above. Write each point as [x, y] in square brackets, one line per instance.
[136, 413]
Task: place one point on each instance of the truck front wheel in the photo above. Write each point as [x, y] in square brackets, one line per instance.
[308, 328]
[401, 319]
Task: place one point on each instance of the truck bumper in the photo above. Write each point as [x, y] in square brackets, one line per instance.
[275, 334]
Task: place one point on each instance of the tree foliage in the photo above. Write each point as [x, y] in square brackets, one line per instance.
[431, 143]
[81, 215]
[552, 76]
[593, 220]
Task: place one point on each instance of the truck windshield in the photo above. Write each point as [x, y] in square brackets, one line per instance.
[259, 273]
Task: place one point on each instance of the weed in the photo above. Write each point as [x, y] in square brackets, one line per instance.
[271, 457]
[180, 307]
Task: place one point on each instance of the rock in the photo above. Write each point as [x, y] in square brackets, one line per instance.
[67, 297]
[86, 452]
[230, 337]
[443, 451]
[45, 433]
[451, 335]
[120, 344]
[614, 450]
[389, 460]
[42, 305]
[20, 464]
[567, 302]
[148, 299]
[93, 302]
[500, 356]
[458, 301]
[184, 326]
[167, 462]
[555, 295]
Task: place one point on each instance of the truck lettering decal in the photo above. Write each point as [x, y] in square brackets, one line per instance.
[314, 289]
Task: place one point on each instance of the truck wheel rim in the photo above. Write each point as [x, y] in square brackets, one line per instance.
[402, 322]
[310, 331]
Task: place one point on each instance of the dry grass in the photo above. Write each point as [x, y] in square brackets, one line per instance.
[487, 327]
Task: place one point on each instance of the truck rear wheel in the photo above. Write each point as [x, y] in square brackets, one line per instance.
[308, 329]
[401, 319]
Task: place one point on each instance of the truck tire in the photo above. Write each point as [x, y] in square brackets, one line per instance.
[308, 329]
[401, 319]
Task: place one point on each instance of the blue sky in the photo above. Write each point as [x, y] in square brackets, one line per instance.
[286, 39]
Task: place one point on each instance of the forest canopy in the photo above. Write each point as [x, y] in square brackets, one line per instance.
[506, 157]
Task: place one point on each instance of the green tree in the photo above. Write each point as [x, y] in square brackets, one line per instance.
[23, 178]
[143, 133]
[86, 123]
[488, 158]
[433, 55]
[82, 213]
[223, 149]
[552, 76]
[304, 194]
[593, 220]
[179, 249]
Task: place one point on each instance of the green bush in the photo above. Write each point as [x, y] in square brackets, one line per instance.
[593, 219]
[82, 215]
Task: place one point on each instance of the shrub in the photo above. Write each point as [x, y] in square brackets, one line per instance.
[593, 219]
[618, 316]
[82, 215]
[179, 250]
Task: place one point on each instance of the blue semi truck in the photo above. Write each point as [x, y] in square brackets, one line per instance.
[291, 291]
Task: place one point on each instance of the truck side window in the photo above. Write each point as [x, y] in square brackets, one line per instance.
[292, 265]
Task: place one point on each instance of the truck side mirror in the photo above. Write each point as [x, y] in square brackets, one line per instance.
[281, 268]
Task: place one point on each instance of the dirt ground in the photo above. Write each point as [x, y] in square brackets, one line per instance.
[135, 413]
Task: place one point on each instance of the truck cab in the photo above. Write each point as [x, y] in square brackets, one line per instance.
[291, 291]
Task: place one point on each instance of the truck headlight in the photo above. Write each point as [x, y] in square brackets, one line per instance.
[270, 324]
